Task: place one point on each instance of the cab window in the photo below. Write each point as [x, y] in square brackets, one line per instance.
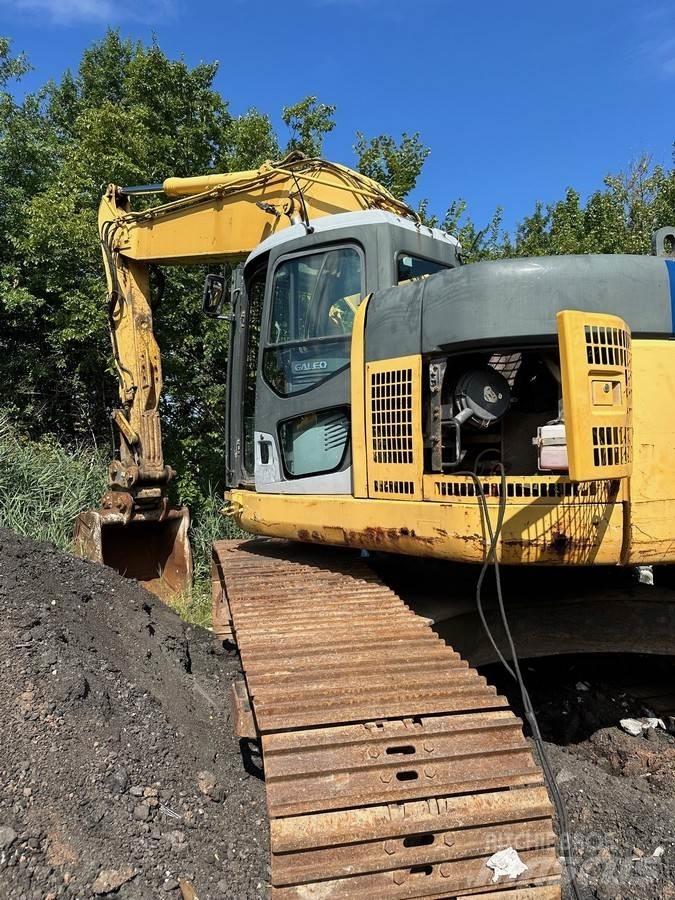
[410, 268]
[314, 299]
[316, 295]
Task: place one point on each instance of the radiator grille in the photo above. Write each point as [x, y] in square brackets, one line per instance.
[391, 412]
[394, 487]
[607, 346]
[459, 488]
[394, 428]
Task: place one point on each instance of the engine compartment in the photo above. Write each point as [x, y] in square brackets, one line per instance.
[496, 405]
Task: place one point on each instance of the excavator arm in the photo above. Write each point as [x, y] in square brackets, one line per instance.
[212, 218]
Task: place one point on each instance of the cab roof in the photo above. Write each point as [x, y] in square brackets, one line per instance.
[326, 224]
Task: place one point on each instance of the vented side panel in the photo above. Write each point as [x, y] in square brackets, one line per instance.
[595, 360]
[394, 428]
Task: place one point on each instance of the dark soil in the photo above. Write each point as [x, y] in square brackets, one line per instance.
[117, 754]
[619, 790]
[119, 775]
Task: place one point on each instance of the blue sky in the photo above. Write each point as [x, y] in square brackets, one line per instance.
[517, 100]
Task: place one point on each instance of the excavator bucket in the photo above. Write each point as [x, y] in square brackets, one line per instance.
[154, 552]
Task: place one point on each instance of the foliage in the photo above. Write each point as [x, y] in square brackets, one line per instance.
[309, 121]
[43, 486]
[248, 141]
[397, 166]
[618, 218]
[195, 604]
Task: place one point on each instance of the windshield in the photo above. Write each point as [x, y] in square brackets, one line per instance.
[316, 295]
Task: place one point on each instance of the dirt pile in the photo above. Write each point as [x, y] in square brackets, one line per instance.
[118, 772]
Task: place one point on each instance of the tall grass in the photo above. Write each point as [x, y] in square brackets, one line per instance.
[43, 486]
[209, 524]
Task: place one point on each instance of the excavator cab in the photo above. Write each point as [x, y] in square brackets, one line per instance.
[292, 319]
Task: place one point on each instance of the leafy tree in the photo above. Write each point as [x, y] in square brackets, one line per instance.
[309, 122]
[396, 165]
[620, 218]
[128, 115]
[248, 141]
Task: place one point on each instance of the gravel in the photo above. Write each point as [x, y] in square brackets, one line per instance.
[618, 789]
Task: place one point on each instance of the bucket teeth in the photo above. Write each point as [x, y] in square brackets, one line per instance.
[392, 768]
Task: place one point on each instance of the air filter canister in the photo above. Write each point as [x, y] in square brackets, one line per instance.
[485, 393]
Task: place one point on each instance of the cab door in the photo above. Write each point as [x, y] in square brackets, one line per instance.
[302, 406]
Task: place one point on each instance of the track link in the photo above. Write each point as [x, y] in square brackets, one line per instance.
[392, 768]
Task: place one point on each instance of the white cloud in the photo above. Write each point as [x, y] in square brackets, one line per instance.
[103, 11]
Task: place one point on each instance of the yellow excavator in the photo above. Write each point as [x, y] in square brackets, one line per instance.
[386, 399]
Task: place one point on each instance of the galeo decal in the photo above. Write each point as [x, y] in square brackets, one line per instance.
[315, 366]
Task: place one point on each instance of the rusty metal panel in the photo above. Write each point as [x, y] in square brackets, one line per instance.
[244, 723]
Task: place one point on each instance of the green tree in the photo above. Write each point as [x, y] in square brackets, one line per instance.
[129, 114]
[248, 141]
[309, 122]
[618, 218]
[396, 165]
[27, 163]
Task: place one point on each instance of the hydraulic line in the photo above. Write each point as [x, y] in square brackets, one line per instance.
[515, 670]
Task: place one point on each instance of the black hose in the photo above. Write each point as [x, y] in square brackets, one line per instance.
[514, 670]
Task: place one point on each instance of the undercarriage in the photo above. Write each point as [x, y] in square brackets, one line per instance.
[392, 768]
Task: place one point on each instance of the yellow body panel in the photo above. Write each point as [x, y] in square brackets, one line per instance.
[357, 365]
[652, 485]
[595, 365]
[544, 531]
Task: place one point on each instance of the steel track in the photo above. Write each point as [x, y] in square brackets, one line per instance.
[392, 769]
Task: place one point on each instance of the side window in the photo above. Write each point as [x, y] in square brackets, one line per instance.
[410, 268]
[314, 443]
[314, 299]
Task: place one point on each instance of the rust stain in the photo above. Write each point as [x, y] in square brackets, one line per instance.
[312, 537]
[386, 538]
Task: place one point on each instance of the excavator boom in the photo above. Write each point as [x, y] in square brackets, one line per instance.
[211, 218]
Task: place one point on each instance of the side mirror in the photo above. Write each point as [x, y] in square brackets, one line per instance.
[214, 295]
[663, 242]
